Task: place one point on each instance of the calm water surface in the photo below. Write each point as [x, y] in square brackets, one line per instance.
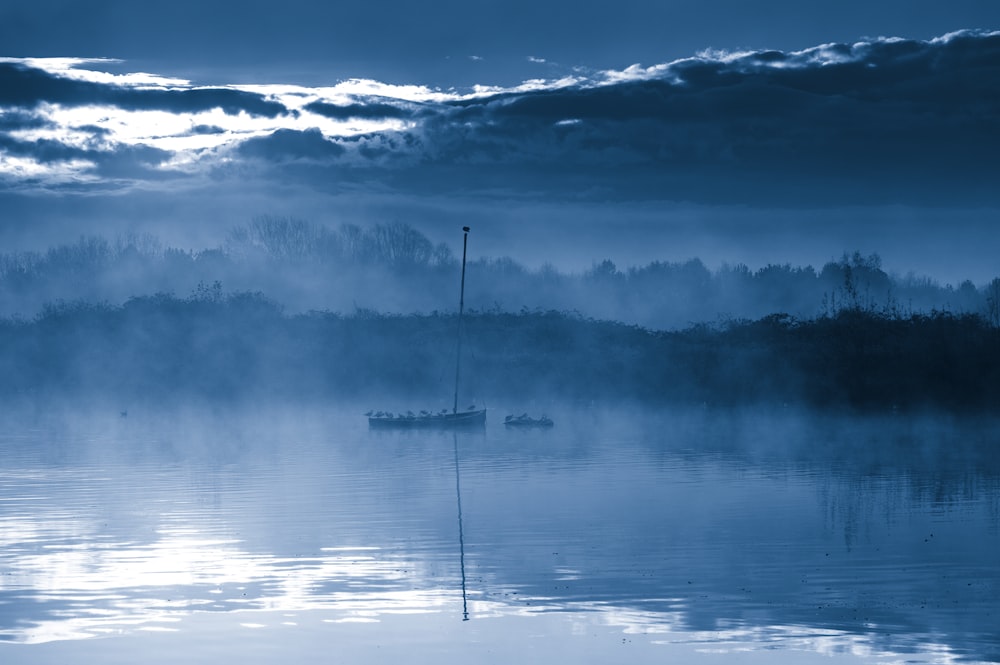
[618, 536]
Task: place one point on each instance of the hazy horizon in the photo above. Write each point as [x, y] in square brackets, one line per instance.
[634, 243]
[780, 152]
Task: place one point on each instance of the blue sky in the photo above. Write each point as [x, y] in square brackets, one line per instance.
[447, 42]
[731, 131]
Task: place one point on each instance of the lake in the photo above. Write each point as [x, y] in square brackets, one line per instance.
[623, 534]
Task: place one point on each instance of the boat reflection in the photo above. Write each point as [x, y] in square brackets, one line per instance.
[461, 531]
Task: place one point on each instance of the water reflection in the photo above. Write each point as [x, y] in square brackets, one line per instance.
[859, 538]
[461, 530]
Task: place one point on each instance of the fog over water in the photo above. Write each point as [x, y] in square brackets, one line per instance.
[858, 538]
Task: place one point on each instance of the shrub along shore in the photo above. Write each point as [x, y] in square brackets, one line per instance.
[242, 346]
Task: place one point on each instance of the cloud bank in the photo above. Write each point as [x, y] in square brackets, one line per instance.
[882, 121]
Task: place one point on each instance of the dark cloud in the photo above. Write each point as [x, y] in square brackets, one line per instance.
[27, 87]
[44, 150]
[127, 163]
[290, 144]
[95, 130]
[207, 129]
[885, 121]
[197, 99]
[368, 110]
[131, 163]
[15, 119]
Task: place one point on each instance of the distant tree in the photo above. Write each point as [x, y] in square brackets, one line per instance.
[967, 298]
[19, 265]
[503, 267]
[275, 237]
[604, 271]
[993, 302]
[401, 246]
[549, 275]
[442, 255]
[856, 282]
[139, 245]
[85, 256]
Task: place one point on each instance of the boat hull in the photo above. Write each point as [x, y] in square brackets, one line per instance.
[463, 420]
[540, 423]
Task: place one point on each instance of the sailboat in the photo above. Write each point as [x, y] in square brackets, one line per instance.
[470, 417]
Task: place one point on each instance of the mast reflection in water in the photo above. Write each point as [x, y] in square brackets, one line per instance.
[461, 531]
[676, 535]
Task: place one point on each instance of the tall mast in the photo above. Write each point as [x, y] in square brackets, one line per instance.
[461, 307]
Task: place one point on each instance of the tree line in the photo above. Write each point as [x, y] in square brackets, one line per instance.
[394, 268]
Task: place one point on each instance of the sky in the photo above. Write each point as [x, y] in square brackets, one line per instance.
[567, 133]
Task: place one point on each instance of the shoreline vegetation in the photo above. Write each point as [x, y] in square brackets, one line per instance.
[217, 348]
[846, 336]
